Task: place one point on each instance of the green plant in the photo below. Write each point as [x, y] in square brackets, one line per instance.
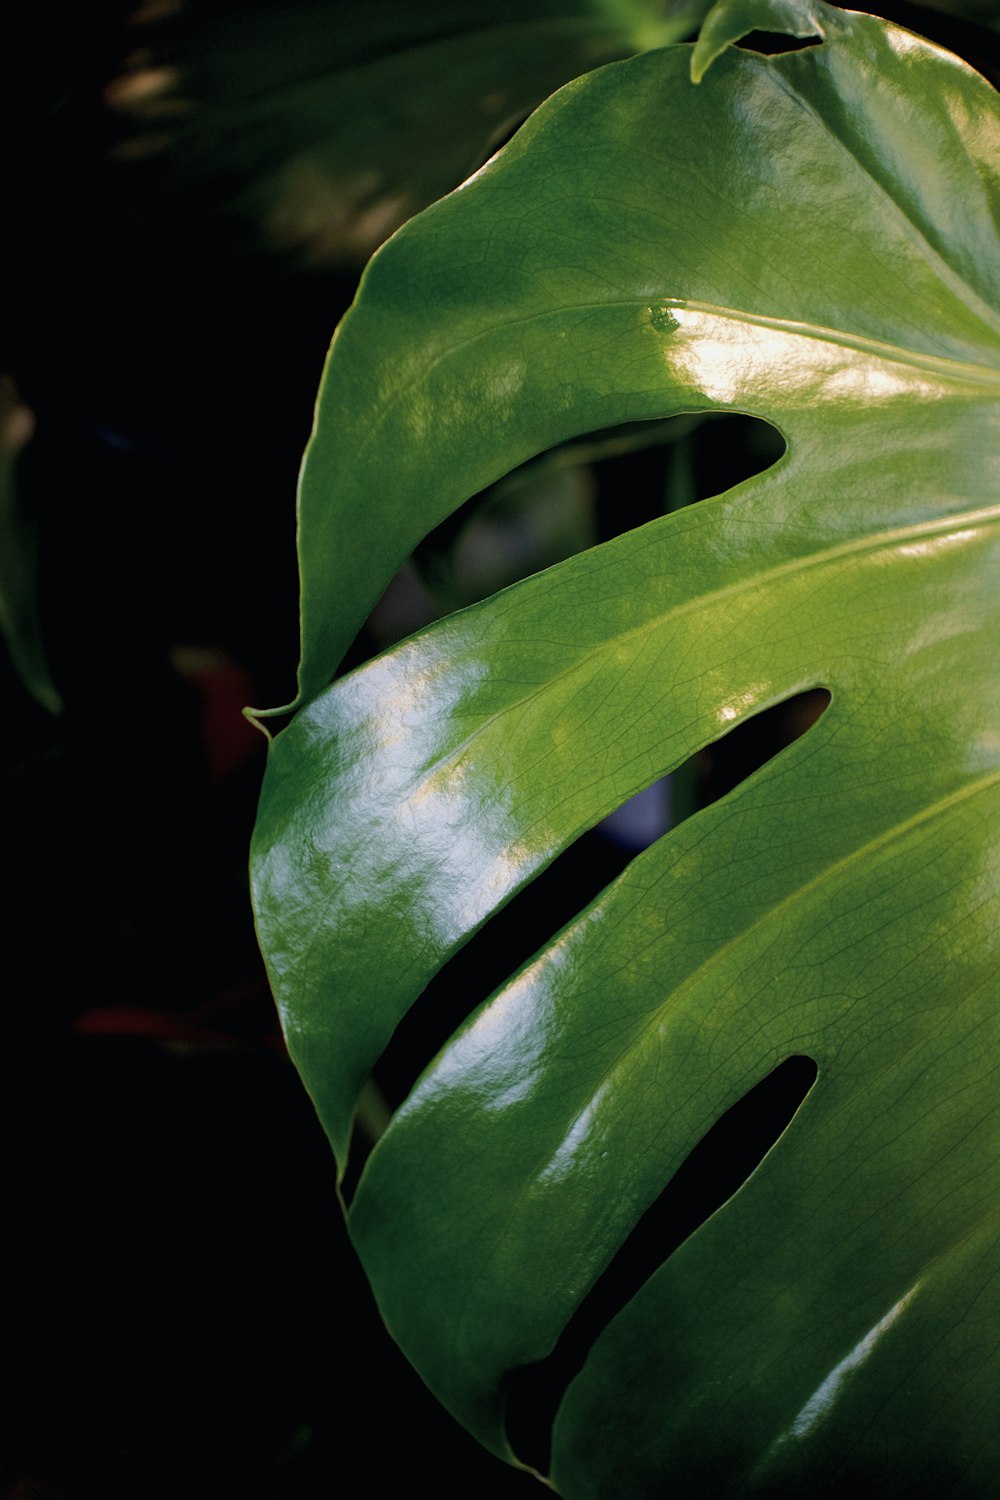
[811, 239]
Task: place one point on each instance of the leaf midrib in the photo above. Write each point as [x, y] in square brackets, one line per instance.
[960, 288]
[949, 368]
[960, 371]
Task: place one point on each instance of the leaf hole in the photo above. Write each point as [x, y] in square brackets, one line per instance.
[721, 766]
[683, 460]
[510, 937]
[718, 1166]
[589, 490]
[773, 43]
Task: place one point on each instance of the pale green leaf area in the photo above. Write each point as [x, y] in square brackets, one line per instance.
[810, 239]
[321, 125]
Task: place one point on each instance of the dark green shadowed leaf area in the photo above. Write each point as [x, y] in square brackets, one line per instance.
[809, 239]
[312, 129]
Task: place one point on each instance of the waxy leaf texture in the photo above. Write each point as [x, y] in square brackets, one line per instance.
[812, 239]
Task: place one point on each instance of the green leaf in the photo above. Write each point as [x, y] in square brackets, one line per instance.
[318, 126]
[810, 239]
[730, 20]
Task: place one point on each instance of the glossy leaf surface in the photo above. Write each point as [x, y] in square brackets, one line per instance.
[811, 239]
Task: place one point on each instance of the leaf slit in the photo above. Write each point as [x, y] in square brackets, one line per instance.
[516, 932]
[717, 1167]
[566, 499]
[774, 43]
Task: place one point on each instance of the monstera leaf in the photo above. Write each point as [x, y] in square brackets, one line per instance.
[811, 239]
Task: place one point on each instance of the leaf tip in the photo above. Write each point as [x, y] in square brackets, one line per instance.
[256, 716]
[700, 65]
